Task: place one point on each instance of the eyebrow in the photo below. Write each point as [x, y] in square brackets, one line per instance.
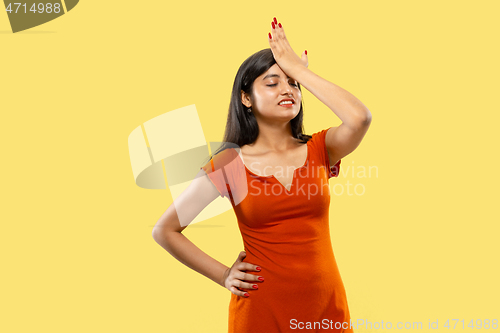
[273, 75]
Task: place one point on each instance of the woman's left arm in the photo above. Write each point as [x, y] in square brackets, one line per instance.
[345, 105]
[355, 116]
[342, 140]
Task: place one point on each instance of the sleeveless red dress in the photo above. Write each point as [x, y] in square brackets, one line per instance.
[286, 233]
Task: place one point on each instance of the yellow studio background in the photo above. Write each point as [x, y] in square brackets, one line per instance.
[421, 243]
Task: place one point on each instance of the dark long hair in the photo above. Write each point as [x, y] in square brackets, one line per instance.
[241, 126]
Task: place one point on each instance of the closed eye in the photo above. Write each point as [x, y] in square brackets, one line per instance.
[272, 85]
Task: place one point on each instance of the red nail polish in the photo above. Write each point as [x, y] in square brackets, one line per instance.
[261, 278]
[279, 25]
[255, 286]
[246, 294]
[275, 21]
[306, 52]
[258, 268]
[274, 26]
[270, 36]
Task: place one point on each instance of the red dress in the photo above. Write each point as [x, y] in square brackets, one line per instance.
[286, 233]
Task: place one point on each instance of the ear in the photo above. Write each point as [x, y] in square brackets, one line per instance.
[245, 99]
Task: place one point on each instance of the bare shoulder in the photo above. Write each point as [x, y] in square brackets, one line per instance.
[342, 140]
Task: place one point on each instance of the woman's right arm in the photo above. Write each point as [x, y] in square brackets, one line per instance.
[167, 232]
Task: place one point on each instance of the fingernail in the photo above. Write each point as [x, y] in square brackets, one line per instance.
[279, 25]
[261, 278]
[275, 21]
[255, 286]
[258, 268]
[246, 294]
[270, 37]
[306, 52]
[274, 26]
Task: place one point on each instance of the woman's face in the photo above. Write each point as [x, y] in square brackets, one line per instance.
[270, 89]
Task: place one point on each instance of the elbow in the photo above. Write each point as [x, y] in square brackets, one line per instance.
[158, 236]
[163, 236]
[361, 121]
[365, 119]
[161, 239]
[154, 234]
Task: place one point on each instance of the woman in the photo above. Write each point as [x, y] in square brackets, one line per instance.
[287, 277]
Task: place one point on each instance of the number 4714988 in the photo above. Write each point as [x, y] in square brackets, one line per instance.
[486, 323]
[41, 8]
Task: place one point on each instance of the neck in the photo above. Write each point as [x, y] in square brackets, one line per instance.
[274, 137]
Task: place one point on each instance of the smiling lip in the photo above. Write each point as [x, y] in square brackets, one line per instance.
[287, 105]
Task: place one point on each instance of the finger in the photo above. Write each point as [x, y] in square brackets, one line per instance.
[270, 39]
[244, 283]
[236, 282]
[239, 292]
[251, 277]
[251, 267]
[274, 28]
[246, 266]
[280, 31]
[243, 266]
[304, 58]
[276, 43]
[272, 35]
[275, 32]
[241, 256]
[249, 285]
[243, 276]
[281, 38]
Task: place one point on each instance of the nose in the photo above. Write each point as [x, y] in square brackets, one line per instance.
[287, 89]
